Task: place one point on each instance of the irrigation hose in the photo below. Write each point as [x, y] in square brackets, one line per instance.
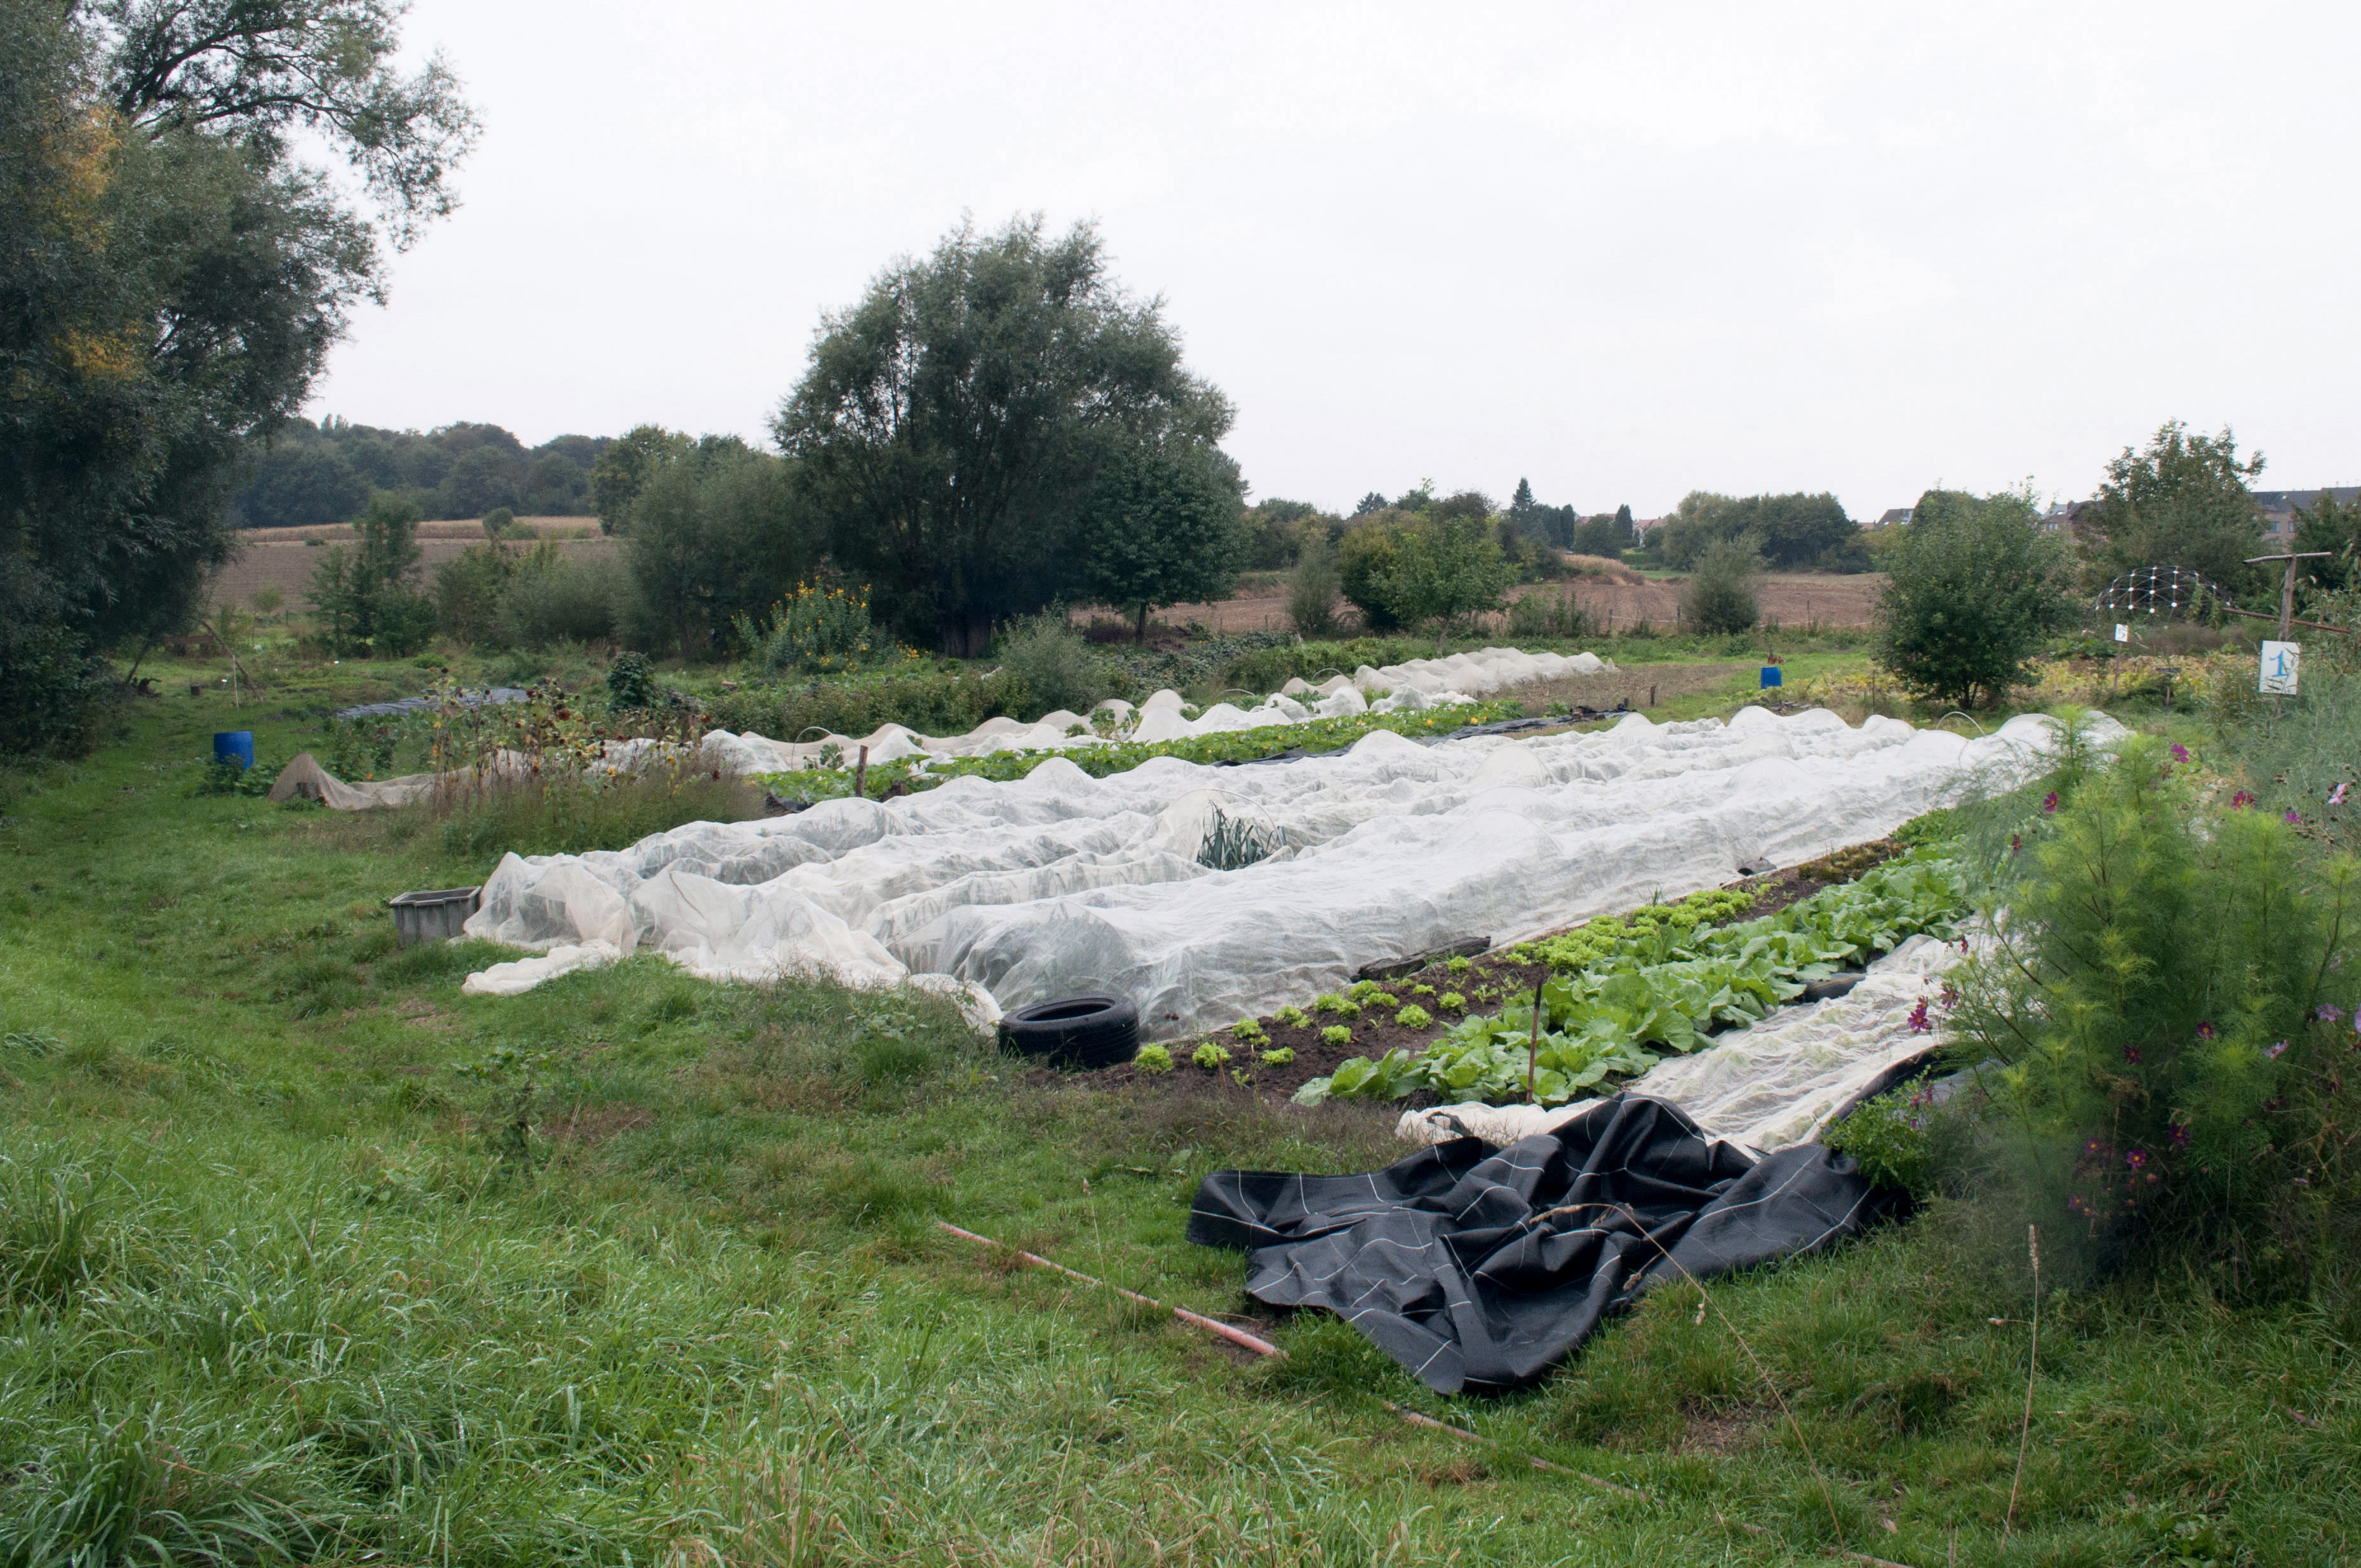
[1271, 1352]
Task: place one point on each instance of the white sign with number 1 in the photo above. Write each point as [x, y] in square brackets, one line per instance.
[2279, 660]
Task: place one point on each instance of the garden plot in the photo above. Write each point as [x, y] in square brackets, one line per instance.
[1414, 687]
[1059, 884]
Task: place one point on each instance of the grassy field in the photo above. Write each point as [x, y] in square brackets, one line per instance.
[307, 1258]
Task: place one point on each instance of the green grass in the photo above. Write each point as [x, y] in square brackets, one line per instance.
[281, 1280]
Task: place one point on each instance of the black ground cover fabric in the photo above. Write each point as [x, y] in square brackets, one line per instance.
[1481, 1268]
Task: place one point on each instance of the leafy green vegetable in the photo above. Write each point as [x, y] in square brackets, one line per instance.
[1660, 981]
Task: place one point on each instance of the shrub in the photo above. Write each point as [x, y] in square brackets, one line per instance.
[2171, 999]
[817, 627]
[1313, 589]
[1977, 587]
[553, 599]
[498, 522]
[1721, 593]
[571, 815]
[1052, 663]
[630, 682]
[1542, 616]
[365, 601]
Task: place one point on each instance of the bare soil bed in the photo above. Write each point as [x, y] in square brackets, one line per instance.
[1488, 979]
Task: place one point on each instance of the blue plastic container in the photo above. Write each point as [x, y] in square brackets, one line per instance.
[235, 746]
[1771, 676]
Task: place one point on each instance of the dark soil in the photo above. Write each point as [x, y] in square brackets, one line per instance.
[1488, 978]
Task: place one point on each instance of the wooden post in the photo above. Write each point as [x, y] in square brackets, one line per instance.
[2287, 586]
[861, 775]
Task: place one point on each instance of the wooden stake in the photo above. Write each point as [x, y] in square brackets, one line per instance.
[861, 775]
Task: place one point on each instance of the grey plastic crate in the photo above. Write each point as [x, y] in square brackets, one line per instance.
[435, 915]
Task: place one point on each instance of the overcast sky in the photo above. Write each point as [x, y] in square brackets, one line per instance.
[1627, 250]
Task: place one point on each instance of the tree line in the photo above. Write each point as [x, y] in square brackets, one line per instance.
[308, 474]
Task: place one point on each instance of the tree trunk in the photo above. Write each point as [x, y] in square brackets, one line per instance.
[1140, 635]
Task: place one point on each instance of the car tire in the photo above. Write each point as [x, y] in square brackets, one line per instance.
[1074, 1032]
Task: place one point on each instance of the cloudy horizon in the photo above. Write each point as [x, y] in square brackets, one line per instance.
[1623, 251]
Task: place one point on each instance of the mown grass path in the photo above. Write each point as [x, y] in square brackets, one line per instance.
[304, 1258]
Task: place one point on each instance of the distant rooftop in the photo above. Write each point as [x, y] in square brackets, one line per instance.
[1892, 515]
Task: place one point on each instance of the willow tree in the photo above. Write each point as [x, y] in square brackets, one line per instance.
[954, 423]
[172, 273]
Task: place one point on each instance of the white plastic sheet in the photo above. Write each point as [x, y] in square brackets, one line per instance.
[1774, 1083]
[1060, 884]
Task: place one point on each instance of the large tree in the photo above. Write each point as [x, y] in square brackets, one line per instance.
[1160, 528]
[2182, 501]
[1977, 587]
[952, 423]
[172, 273]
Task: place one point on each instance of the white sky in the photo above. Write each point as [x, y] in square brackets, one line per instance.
[1626, 250]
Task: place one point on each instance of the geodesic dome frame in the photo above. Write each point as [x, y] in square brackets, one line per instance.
[2167, 590]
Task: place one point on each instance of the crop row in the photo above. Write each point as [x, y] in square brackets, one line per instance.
[1621, 990]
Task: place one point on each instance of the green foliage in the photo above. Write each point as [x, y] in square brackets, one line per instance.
[1051, 664]
[1435, 570]
[1720, 596]
[1161, 527]
[1337, 1035]
[2181, 501]
[368, 603]
[623, 469]
[498, 522]
[630, 683]
[2171, 1002]
[1977, 587]
[1660, 985]
[1413, 1017]
[819, 628]
[1549, 616]
[1279, 1058]
[1153, 1057]
[717, 532]
[1898, 1140]
[2325, 525]
[224, 775]
[1790, 532]
[953, 422]
[325, 473]
[1209, 1056]
[175, 274]
[570, 815]
[553, 597]
[1313, 588]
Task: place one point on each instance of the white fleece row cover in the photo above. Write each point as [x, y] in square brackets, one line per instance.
[1413, 688]
[1776, 1082]
[1059, 885]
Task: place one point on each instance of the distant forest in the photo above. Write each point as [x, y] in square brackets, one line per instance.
[327, 472]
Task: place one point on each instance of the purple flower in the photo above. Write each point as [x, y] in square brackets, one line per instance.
[2180, 1136]
[2049, 801]
[1920, 1024]
[2131, 1054]
[2336, 795]
[2329, 1013]
[2292, 819]
[2240, 801]
[2179, 753]
[2015, 842]
[2274, 1052]
[2136, 1159]
[2205, 1031]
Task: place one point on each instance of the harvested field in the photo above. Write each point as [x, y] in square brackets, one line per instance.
[1791, 599]
[280, 557]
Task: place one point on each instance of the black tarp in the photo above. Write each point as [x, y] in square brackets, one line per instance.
[1481, 1268]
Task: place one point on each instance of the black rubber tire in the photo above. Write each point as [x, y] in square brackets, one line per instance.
[1074, 1031]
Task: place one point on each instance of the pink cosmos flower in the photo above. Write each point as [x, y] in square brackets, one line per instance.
[2329, 1013]
[2274, 1052]
[2336, 795]
[2292, 819]
[2131, 1054]
[2049, 801]
[2179, 753]
[2240, 801]
[1919, 1024]
[2205, 1031]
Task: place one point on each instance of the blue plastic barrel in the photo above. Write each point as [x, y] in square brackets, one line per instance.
[1771, 676]
[234, 745]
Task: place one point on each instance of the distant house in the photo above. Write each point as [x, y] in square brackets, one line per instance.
[1644, 526]
[1892, 517]
[2278, 507]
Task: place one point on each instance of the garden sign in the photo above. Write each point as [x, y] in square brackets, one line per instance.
[2279, 660]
